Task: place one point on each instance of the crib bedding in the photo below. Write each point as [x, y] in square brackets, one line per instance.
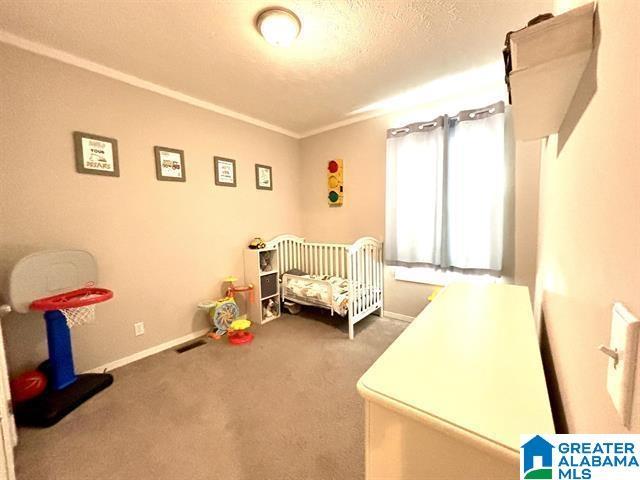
[303, 289]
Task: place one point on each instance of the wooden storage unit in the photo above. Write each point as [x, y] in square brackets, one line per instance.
[261, 270]
[451, 396]
[548, 61]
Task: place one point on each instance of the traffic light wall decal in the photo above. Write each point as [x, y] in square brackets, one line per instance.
[334, 182]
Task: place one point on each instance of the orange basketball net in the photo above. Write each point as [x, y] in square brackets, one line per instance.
[233, 289]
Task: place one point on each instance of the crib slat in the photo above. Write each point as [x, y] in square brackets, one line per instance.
[289, 255]
[280, 264]
[354, 261]
[372, 288]
[362, 285]
[307, 267]
[380, 277]
[325, 259]
[330, 259]
[303, 264]
[285, 257]
[376, 274]
[312, 257]
[352, 285]
[363, 280]
[370, 276]
[365, 292]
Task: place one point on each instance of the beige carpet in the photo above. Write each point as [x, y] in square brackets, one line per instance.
[284, 407]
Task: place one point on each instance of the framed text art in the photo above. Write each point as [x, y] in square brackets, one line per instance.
[225, 171]
[96, 155]
[264, 180]
[170, 164]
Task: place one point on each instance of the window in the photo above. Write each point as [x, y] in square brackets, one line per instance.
[445, 200]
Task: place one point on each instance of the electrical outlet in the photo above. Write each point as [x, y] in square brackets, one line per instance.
[139, 328]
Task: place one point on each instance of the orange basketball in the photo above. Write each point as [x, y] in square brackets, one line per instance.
[27, 386]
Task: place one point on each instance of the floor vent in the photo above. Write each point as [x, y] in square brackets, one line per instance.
[190, 346]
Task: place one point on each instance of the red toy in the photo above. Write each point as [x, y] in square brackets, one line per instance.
[238, 338]
[27, 386]
[238, 333]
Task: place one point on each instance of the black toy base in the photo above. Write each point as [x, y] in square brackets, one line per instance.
[52, 406]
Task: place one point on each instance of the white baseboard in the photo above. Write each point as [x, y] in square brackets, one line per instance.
[149, 351]
[397, 316]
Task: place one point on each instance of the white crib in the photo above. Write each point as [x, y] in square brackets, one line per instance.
[361, 263]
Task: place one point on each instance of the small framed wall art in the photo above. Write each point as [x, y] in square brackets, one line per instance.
[170, 164]
[225, 171]
[264, 180]
[96, 155]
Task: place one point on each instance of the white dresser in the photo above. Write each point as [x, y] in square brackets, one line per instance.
[450, 397]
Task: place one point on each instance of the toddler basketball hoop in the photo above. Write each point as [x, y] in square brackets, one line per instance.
[60, 283]
[78, 306]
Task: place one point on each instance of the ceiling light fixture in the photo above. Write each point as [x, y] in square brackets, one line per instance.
[278, 26]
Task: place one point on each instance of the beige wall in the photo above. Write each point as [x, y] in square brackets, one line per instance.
[161, 246]
[363, 147]
[589, 252]
[526, 186]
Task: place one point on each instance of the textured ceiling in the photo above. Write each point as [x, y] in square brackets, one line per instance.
[349, 54]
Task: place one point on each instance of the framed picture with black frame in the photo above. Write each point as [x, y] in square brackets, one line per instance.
[96, 155]
[264, 179]
[225, 171]
[170, 164]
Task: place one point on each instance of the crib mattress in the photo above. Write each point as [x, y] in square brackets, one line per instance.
[330, 292]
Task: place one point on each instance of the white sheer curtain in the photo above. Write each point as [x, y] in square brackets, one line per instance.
[446, 192]
[414, 206]
[475, 192]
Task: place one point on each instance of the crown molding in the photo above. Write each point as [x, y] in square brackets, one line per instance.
[343, 123]
[64, 57]
[70, 59]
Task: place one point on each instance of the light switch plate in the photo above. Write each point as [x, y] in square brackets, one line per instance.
[621, 374]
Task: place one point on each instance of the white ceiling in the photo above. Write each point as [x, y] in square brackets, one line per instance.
[350, 53]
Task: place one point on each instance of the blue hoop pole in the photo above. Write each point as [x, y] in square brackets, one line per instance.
[60, 355]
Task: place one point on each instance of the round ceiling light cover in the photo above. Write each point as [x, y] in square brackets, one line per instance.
[278, 26]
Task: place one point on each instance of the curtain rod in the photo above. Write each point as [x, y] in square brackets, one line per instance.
[461, 116]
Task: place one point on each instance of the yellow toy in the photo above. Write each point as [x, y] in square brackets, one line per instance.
[238, 332]
[434, 294]
[241, 324]
[257, 243]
